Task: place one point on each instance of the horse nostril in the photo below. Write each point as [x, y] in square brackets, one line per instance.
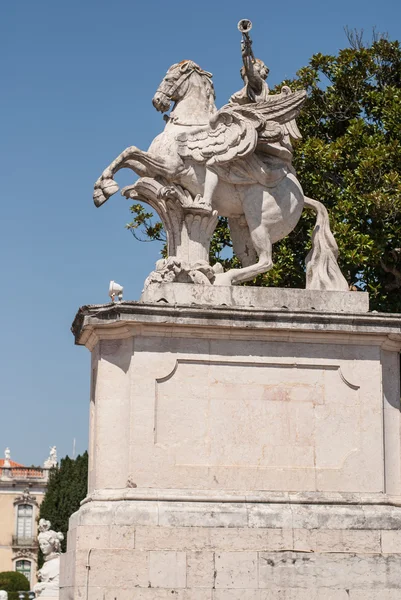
[156, 101]
[161, 103]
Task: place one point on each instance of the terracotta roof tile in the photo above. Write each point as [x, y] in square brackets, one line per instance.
[12, 463]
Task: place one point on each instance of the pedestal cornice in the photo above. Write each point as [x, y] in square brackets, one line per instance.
[125, 319]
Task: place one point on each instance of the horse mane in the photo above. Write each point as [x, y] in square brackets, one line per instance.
[190, 65]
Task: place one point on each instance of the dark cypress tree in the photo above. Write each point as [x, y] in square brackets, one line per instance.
[66, 488]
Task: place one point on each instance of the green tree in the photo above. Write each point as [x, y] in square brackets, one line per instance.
[349, 159]
[66, 488]
[13, 582]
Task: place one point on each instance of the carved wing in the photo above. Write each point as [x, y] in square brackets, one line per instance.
[229, 136]
[235, 129]
[280, 108]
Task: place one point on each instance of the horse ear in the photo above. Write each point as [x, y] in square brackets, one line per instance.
[185, 65]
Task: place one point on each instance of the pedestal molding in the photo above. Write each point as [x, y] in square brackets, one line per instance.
[119, 320]
[238, 497]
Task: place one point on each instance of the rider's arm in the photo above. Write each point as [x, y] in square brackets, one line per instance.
[254, 80]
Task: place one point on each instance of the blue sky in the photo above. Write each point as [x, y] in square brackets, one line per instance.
[77, 82]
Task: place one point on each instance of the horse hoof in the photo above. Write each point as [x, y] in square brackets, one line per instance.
[223, 279]
[109, 187]
[98, 197]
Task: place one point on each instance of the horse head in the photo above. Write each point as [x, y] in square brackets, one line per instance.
[177, 82]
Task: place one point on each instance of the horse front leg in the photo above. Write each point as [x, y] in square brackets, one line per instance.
[145, 164]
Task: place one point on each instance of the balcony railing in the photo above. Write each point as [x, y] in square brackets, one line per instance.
[26, 472]
[24, 542]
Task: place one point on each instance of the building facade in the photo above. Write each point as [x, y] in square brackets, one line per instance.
[21, 492]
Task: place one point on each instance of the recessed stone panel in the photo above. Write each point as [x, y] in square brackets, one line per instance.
[280, 425]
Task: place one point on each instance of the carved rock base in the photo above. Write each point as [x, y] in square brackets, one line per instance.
[239, 454]
[162, 291]
[171, 270]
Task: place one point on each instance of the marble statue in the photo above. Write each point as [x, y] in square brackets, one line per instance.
[234, 162]
[52, 460]
[7, 458]
[48, 575]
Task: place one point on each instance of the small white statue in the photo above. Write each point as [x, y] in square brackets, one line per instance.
[52, 460]
[7, 457]
[48, 575]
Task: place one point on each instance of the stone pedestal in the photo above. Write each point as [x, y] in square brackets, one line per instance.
[239, 454]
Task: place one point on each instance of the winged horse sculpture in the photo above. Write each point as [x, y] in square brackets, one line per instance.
[233, 162]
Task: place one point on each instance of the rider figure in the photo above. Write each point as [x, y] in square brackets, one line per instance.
[254, 74]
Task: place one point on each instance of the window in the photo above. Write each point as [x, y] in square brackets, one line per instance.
[25, 522]
[24, 567]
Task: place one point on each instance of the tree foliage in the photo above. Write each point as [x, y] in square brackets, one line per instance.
[13, 582]
[349, 159]
[66, 488]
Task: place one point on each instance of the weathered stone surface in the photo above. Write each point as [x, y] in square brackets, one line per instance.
[246, 539]
[210, 321]
[232, 594]
[302, 427]
[155, 594]
[88, 536]
[311, 571]
[122, 536]
[172, 538]
[183, 514]
[167, 569]
[116, 568]
[240, 594]
[255, 454]
[344, 540]
[214, 553]
[200, 570]
[236, 570]
[258, 297]
[379, 594]
[391, 541]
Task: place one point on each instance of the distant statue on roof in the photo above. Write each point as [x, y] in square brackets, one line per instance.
[235, 162]
[52, 460]
[7, 457]
[48, 575]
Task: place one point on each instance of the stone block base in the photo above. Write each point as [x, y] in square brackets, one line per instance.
[258, 297]
[240, 453]
[140, 550]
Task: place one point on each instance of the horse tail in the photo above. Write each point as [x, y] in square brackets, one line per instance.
[322, 270]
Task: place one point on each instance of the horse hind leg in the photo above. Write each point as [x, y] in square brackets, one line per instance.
[261, 243]
[241, 240]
